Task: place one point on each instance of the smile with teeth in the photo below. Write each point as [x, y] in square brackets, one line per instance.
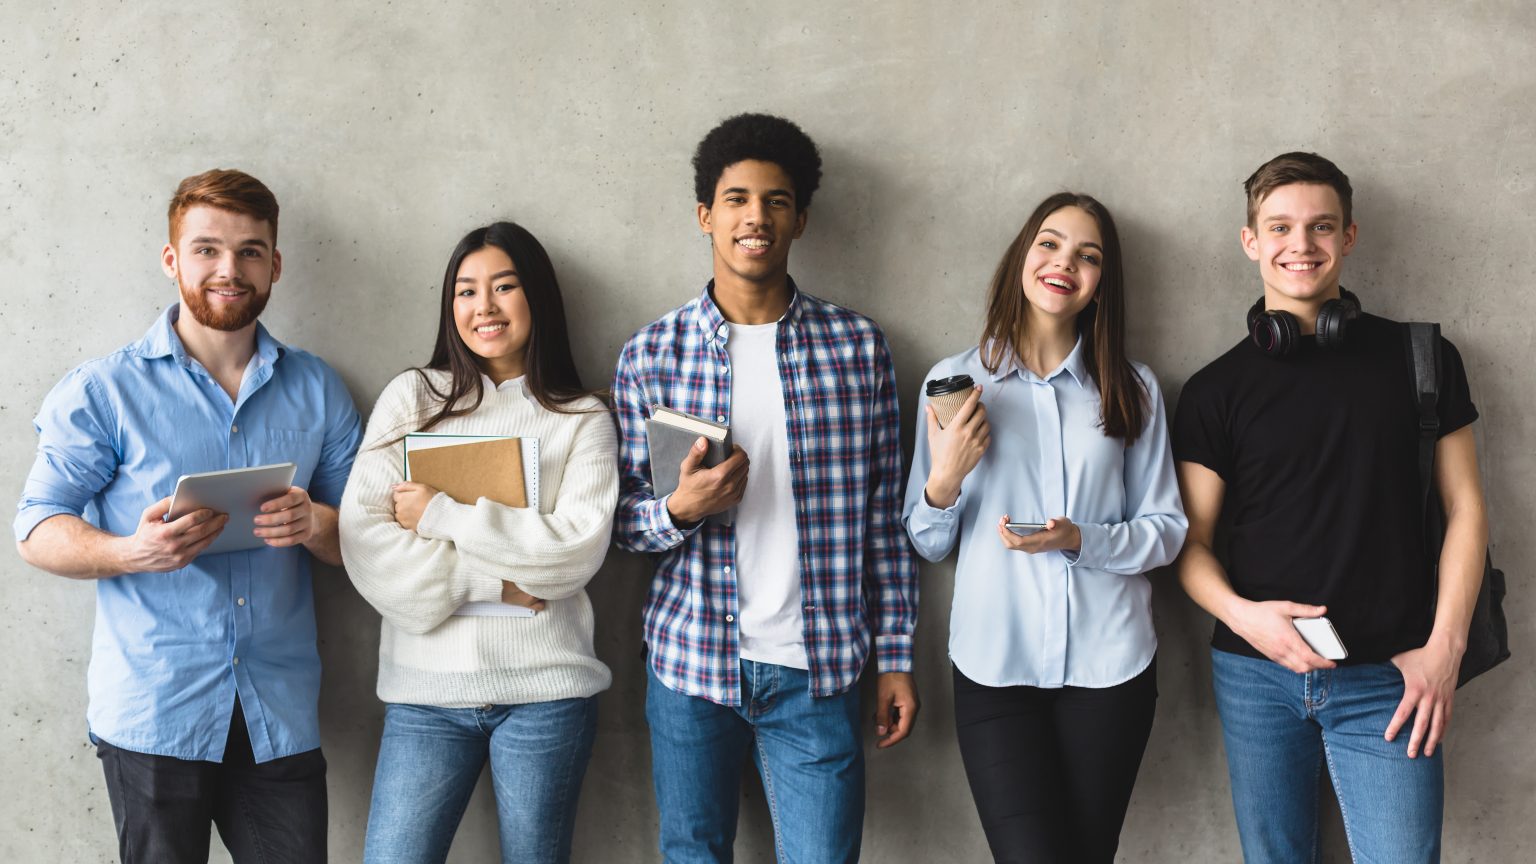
[1058, 282]
[753, 243]
[1301, 266]
[490, 329]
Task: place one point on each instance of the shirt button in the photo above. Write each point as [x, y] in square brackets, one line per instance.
[234, 430]
[237, 661]
[239, 601]
[730, 618]
[727, 568]
[810, 608]
[719, 418]
[724, 368]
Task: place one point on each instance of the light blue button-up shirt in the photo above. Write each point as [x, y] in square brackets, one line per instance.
[1052, 619]
[172, 650]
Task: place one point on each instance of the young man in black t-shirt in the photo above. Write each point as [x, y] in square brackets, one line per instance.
[1305, 434]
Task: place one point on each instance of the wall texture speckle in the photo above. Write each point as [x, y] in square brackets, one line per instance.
[388, 129]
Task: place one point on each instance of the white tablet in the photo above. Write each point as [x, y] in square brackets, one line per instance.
[239, 492]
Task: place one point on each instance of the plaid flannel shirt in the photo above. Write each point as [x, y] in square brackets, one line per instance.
[856, 569]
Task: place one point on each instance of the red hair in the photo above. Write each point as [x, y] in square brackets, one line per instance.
[225, 189]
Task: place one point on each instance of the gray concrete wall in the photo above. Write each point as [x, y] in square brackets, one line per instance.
[388, 129]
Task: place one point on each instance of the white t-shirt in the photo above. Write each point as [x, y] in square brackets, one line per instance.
[767, 545]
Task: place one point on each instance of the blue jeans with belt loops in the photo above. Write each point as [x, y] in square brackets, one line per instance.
[430, 759]
[807, 750]
[1281, 727]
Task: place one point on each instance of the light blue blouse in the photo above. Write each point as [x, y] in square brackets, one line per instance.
[1052, 619]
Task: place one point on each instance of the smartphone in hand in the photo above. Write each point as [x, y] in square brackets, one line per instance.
[1320, 635]
[1024, 529]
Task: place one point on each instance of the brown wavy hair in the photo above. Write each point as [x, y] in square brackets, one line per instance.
[1122, 394]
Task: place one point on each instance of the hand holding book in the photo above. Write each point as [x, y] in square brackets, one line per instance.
[703, 492]
[711, 474]
[411, 500]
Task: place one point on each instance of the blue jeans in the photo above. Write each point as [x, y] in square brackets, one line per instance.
[1280, 727]
[808, 751]
[430, 759]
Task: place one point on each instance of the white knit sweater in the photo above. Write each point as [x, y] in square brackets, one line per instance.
[461, 553]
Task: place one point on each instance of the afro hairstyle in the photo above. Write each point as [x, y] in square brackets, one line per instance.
[765, 138]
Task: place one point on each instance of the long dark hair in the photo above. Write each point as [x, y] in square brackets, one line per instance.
[1122, 395]
[552, 378]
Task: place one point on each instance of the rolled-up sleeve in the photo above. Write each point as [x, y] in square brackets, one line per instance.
[343, 435]
[77, 454]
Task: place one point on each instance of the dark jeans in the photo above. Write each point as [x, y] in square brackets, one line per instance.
[1051, 769]
[271, 813]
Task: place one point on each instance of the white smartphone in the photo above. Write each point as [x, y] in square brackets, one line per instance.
[1320, 635]
[1024, 528]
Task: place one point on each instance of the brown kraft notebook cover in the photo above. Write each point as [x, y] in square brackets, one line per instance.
[469, 472]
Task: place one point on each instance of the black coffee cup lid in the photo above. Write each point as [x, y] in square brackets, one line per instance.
[952, 384]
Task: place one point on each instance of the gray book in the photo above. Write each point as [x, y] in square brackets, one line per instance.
[670, 435]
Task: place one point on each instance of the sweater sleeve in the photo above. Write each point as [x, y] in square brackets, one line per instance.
[549, 555]
[414, 581]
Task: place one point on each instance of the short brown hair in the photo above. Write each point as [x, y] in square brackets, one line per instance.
[225, 189]
[1288, 168]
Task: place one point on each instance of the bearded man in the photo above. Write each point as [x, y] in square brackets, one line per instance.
[204, 678]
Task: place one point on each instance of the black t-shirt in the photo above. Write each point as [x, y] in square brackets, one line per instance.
[1319, 453]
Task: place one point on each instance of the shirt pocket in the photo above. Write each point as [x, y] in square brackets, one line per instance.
[299, 446]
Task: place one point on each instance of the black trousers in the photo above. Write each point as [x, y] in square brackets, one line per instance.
[268, 813]
[1051, 769]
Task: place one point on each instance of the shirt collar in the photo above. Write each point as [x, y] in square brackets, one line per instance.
[713, 324]
[1074, 365]
[162, 341]
[518, 384]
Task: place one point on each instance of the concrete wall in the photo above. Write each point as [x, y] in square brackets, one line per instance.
[387, 130]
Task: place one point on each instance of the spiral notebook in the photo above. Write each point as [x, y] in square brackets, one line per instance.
[502, 468]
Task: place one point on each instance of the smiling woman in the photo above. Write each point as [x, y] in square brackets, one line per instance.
[491, 313]
[486, 648]
[1052, 726]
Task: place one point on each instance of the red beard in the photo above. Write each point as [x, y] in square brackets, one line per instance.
[225, 317]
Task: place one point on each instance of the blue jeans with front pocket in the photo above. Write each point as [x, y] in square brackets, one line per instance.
[430, 759]
[1281, 727]
[808, 751]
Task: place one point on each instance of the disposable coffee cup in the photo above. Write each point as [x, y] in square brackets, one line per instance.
[946, 395]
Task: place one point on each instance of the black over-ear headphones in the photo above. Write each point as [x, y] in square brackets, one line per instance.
[1276, 332]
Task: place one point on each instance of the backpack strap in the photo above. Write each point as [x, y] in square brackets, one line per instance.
[1424, 354]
